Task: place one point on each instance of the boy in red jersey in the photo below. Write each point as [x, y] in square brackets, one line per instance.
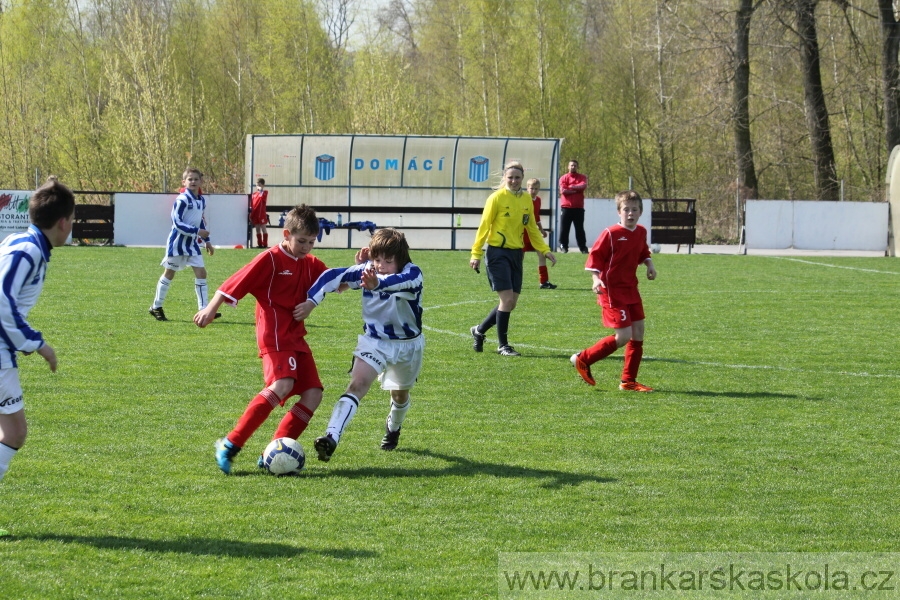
[613, 262]
[278, 278]
[259, 217]
[533, 187]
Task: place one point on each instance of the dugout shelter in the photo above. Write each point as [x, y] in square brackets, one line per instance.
[433, 188]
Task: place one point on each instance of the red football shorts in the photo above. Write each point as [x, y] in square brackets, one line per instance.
[299, 366]
[619, 317]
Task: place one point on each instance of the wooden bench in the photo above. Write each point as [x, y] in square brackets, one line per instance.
[93, 221]
[674, 221]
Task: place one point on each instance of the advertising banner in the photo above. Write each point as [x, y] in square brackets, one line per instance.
[14, 211]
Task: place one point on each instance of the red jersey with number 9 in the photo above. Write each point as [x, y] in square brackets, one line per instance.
[279, 283]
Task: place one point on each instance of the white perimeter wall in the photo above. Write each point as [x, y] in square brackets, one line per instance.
[600, 213]
[145, 219]
[816, 225]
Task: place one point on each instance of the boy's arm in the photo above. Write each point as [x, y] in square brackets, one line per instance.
[598, 284]
[19, 334]
[47, 352]
[651, 270]
[208, 314]
[303, 310]
[409, 278]
[178, 218]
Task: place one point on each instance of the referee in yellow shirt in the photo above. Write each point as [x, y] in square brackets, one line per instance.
[508, 213]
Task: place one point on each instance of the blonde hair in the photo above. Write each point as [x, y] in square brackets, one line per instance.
[628, 196]
[513, 164]
[533, 180]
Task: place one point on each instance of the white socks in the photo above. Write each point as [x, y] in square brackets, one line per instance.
[6, 455]
[202, 293]
[398, 413]
[342, 415]
[162, 288]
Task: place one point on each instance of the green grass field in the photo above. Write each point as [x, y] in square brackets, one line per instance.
[773, 428]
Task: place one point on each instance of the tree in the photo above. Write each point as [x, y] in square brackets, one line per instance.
[741, 120]
[826, 181]
[890, 72]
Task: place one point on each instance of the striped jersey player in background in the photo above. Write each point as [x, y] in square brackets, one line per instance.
[183, 245]
[391, 345]
[23, 267]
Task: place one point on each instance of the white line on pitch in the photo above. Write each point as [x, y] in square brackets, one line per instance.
[819, 264]
[689, 362]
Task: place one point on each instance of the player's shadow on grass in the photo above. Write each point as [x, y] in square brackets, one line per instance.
[747, 395]
[464, 467]
[200, 546]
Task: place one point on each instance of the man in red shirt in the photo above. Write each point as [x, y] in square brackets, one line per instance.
[279, 279]
[613, 262]
[571, 202]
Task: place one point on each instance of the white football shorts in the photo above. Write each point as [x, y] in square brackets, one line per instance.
[11, 399]
[178, 263]
[397, 361]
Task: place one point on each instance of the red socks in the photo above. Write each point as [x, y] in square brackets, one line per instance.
[294, 422]
[600, 350]
[542, 273]
[255, 415]
[265, 240]
[634, 351]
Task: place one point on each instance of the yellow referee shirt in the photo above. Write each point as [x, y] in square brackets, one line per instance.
[506, 217]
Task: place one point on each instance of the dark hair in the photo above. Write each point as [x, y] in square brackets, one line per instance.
[390, 243]
[260, 181]
[50, 203]
[302, 219]
[191, 170]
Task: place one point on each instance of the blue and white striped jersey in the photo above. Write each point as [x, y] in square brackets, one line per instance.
[393, 311]
[23, 267]
[187, 220]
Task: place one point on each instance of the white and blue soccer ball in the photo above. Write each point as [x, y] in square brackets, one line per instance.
[655, 248]
[284, 456]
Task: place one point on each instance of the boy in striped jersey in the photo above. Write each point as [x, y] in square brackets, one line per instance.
[391, 345]
[278, 278]
[23, 267]
[183, 243]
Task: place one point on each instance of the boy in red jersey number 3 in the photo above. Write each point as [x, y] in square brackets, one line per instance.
[613, 262]
[278, 278]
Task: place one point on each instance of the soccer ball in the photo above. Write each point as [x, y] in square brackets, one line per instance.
[284, 456]
[656, 248]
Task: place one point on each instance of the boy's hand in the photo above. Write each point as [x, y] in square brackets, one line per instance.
[203, 233]
[651, 271]
[303, 310]
[475, 263]
[362, 256]
[49, 355]
[370, 279]
[549, 256]
[543, 232]
[210, 248]
[205, 316]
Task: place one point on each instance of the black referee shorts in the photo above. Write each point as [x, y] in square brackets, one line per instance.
[504, 268]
